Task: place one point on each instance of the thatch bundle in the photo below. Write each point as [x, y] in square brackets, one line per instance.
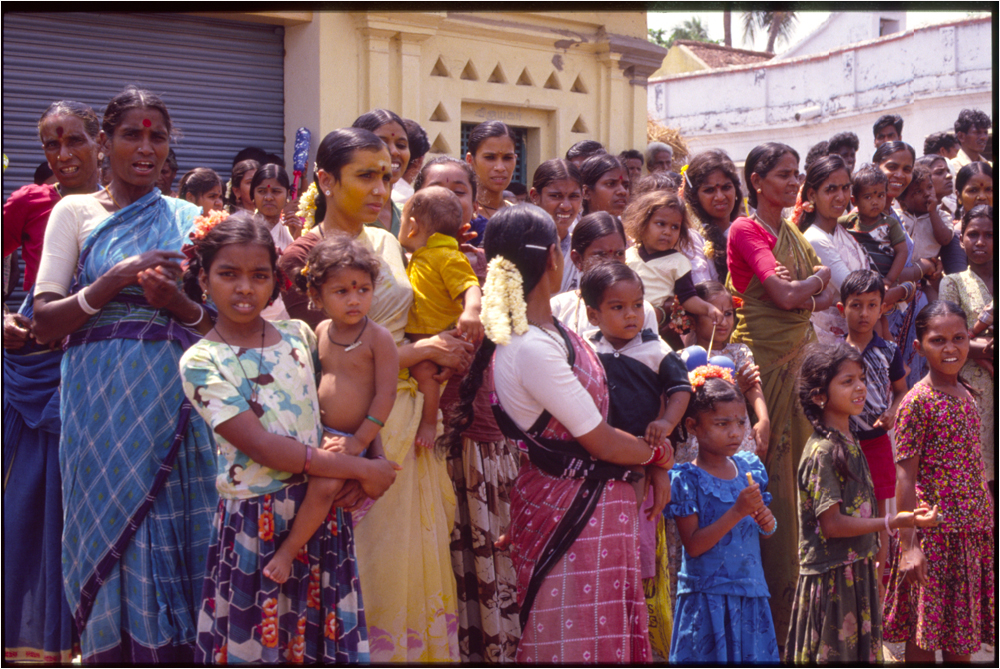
[657, 132]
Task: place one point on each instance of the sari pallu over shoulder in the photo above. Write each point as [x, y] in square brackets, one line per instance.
[131, 446]
[778, 339]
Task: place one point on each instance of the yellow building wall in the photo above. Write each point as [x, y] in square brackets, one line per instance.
[565, 76]
[679, 59]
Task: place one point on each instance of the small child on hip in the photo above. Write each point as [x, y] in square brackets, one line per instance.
[446, 292]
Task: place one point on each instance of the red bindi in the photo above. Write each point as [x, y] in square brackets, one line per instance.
[59, 131]
[146, 123]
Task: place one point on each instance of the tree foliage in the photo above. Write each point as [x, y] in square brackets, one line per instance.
[691, 29]
[777, 25]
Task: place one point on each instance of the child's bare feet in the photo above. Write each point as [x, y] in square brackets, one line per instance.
[280, 566]
[426, 435]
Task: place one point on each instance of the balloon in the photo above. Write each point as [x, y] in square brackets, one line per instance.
[722, 361]
[694, 357]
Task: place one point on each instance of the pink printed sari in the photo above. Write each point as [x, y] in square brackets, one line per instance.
[575, 541]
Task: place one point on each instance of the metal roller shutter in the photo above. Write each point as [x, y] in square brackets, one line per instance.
[223, 81]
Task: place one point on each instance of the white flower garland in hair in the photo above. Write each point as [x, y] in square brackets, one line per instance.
[307, 207]
[504, 310]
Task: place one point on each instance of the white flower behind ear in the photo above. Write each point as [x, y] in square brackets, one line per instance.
[307, 207]
[504, 309]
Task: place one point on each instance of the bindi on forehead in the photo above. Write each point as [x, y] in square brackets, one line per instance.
[60, 131]
[146, 123]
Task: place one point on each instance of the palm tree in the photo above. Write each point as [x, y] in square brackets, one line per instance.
[778, 25]
[691, 29]
[727, 27]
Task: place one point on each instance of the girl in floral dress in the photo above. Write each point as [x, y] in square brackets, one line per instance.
[941, 581]
[836, 613]
[254, 382]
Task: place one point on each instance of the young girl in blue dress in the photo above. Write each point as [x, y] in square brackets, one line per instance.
[720, 505]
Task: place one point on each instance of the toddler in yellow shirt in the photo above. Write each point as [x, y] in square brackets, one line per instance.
[446, 292]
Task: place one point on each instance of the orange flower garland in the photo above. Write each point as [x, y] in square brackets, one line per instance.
[699, 375]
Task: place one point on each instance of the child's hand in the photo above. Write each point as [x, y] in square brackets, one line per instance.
[657, 432]
[762, 437]
[338, 444]
[382, 475]
[445, 374]
[747, 376]
[659, 481]
[765, 519]
[749, 501]
[924, 517]
[470, 328]
[886, 420]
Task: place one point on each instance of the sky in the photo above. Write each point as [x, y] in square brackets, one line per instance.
[808, 21]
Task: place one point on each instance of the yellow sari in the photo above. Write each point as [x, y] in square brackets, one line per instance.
[777, 338]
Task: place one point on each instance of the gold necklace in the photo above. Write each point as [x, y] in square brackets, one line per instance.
[113, 200]
[558, 341]
[765, 225]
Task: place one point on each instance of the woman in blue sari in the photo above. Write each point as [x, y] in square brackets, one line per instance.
[138, 466]
[37, 625]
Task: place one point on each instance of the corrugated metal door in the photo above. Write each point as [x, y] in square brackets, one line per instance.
[223, 81]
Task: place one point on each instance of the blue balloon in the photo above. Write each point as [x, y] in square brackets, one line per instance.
[694, 357]
[722, 361]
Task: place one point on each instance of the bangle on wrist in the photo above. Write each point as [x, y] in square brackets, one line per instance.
[891, 532]
[813, 299]
[309, 457]
[660, 458]
[773, 529]
[201, 315]
[375, 420]
[821, 284]
[652, 454]
[84, 305]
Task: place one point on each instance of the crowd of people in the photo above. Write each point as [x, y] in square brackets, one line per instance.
[402, 416]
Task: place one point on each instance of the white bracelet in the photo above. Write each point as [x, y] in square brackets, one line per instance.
[821, 284]
[201, 315]
[84, 305]
[891, 532]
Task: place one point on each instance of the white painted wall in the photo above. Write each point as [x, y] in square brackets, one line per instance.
[842, 28]
[925, 75]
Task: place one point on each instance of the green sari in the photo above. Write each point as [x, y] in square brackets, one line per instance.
[777, 338]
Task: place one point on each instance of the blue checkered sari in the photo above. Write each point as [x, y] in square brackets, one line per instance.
[138, 465]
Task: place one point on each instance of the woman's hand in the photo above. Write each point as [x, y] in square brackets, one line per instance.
[659, 482]
[823, 272]
[887, 420]
[762, 436]
[381, 475]
[16, 331]
[160, 288]
[448, 349]
[782, 272]
[126, 272]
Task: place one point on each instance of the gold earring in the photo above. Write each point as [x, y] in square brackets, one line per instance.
[204, 296]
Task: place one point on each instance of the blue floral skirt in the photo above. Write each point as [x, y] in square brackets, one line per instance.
[722, 629]
[316, 616]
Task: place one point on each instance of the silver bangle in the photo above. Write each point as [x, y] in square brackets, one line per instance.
[201, 315]
[84, 305]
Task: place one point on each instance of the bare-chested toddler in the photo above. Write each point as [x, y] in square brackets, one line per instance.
[357, 385]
